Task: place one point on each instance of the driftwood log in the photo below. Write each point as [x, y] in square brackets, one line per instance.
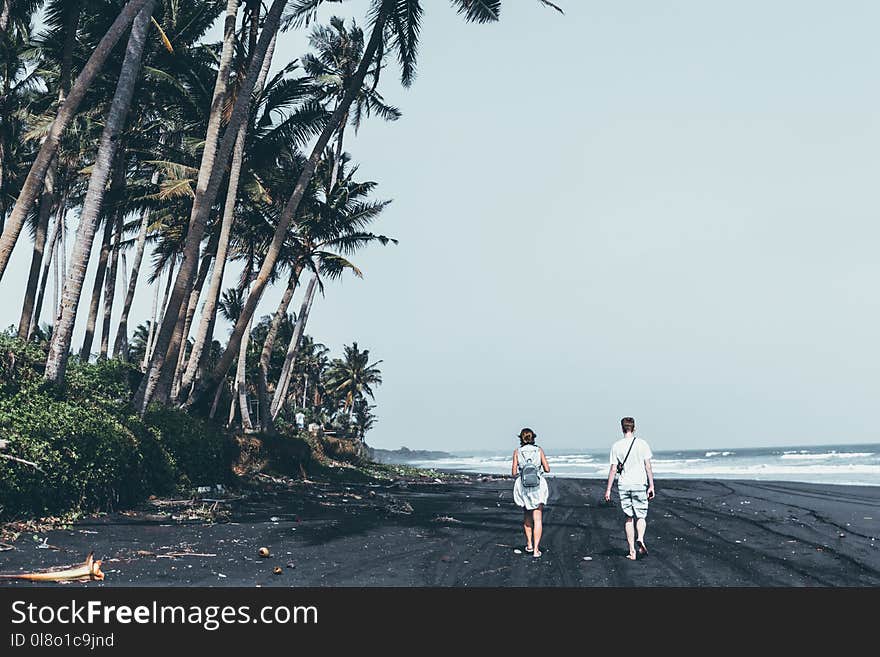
[85, 572]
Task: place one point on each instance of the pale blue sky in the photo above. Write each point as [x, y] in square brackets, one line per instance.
[665, 210]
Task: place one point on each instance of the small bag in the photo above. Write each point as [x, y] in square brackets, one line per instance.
[528, 472]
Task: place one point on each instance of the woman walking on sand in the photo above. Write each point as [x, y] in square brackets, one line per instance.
[530, 490]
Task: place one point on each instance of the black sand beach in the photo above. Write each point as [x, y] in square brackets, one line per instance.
[463, 532]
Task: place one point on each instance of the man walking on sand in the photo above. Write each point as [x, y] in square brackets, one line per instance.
[631, 460]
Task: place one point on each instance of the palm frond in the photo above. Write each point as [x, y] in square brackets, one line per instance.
[479, 11]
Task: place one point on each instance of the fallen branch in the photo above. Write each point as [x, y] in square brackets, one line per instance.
[18, 460]
[88, 571]
[174, 555]
[5, 547]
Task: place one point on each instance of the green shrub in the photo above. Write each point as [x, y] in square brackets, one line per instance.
[201, 452]
[89, 459]
[93, 451]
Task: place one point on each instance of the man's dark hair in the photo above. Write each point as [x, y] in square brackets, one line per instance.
[627, 424]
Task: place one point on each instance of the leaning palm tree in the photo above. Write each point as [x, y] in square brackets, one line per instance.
[215, 156]
[334, 229]
[61, 22]
[59, 346]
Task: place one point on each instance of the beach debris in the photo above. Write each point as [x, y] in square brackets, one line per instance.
[175, 555]
[22, 461]
[264, 552]
[372, 493]
[290, 564]
[445, 558]
[44, 545]
[517, 551]
[588, 558]
[221, 575]
[274, 519]
[400, 507]
[277, 570]
[5, 547]
[145, 553]
[87, 571]
[446, 519]
[493, 570]
[841, 535]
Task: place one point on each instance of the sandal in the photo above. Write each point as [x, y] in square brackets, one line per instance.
[643, 550]
[536, 554]
[528, 549]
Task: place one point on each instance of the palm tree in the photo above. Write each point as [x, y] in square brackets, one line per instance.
[334, 229]
[34, 181]
[174, 104]
[59, 346]
[61, 19]
[210, 176]
[337, 52]
[205, 328]
[353, 377]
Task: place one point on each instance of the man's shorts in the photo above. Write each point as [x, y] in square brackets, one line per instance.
[634, 502]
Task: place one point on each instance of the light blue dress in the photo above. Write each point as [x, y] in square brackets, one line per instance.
[532, 497]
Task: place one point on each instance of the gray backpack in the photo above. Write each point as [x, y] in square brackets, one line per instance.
[528, 471]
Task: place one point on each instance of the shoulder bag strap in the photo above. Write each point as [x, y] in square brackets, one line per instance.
[628, 451]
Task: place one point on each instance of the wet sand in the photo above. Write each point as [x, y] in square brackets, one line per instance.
[464, 532]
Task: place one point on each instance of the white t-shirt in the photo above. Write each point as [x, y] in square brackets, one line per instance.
[634, 475]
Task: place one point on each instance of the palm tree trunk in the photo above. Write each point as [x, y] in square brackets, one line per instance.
[241, 385]
[207, 188]
[48, 196]
[162, 308]
[57, 273]
[290, 209]
[292, 348]
[338, 154]
[110, 288]
[98, 285]
[205, 330]
[207, 259]
[266, 353]
[59, 347]
[30, 293]
[55, 247]
[120, 346]
[34, 181]
[149, 344]
[209, 153]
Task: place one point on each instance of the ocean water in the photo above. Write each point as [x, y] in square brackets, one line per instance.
[838, 464]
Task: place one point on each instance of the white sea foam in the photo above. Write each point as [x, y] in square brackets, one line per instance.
[816, 465]
[806, 456]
